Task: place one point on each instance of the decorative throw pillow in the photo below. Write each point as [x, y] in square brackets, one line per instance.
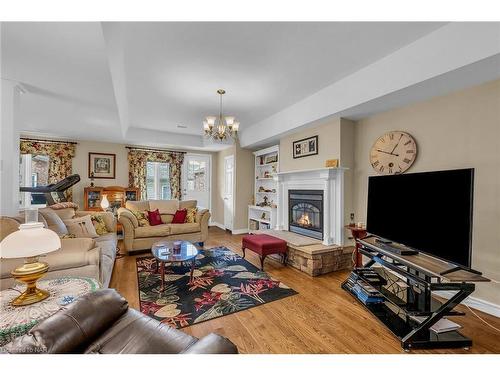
[179, 217]
[154, 217]
[142, 218]
[64, 236]
[54, 222]
[61, 205]
[81, 227]
[191, 215]
[99, 224]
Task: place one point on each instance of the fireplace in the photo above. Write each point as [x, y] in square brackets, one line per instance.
[306, 212]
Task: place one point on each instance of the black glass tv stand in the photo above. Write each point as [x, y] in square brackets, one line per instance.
[409, 312]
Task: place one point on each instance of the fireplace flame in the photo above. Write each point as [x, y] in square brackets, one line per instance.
[304, 220]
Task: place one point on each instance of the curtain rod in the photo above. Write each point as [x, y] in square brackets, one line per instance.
[47, 140]
[153, 149]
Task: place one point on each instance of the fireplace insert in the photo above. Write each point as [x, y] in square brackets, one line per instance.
[305, 212]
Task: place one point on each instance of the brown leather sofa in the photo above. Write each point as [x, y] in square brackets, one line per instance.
[102, 323]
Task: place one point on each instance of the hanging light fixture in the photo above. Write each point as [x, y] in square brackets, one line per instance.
[219, 127]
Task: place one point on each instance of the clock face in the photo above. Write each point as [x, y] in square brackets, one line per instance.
[393, 153]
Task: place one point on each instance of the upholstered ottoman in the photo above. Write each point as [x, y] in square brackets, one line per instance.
[264, 245]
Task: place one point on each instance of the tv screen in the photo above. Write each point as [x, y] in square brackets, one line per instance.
[430, 211]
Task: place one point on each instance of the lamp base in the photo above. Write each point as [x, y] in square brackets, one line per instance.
[29, 273]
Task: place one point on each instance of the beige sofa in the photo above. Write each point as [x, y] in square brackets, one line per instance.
[81, 257]
[138, 237]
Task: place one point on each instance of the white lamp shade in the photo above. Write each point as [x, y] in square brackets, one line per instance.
[30, 240]
[211, 120]
[104, 202]
[229, 120]
[205, 125]
[236, 126]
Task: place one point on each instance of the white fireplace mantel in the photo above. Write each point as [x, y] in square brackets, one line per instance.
[331, 181]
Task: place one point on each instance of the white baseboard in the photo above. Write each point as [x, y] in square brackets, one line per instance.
[218, 225]
[240, 231]
[234, 231]
[475, 303]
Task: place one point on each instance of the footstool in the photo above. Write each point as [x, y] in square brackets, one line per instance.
[264, 245]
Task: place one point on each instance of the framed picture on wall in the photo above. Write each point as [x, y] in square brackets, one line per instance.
[305, 147]
[102, 165]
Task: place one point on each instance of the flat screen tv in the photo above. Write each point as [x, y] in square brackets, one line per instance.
[430, 212]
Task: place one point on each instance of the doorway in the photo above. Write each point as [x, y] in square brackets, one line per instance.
[197, 179]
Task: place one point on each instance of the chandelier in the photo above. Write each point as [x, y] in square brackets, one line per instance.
[219, 127]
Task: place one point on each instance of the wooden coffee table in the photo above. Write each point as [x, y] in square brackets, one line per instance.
[164, 253]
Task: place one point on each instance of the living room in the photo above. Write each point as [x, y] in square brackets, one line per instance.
[250, 188]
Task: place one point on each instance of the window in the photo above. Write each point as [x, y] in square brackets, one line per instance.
[197, 176]
[158, 180]
[33, 171]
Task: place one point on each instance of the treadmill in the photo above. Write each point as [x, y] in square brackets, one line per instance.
[54, 193]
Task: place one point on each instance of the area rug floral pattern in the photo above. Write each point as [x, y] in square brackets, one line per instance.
[223, 283]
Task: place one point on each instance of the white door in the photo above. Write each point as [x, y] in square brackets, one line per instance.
[228, 191]
[196, 179]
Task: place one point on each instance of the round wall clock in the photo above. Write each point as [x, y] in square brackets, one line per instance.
[393, 153]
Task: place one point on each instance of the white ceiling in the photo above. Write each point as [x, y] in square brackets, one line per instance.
[174, 69]
[136, 82]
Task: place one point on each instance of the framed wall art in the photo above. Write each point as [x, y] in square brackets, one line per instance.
[305, 147]
[102, 165]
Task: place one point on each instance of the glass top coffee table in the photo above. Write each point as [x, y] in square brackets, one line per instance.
[166, 252]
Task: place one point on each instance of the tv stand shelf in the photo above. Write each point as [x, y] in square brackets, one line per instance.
[409, 309]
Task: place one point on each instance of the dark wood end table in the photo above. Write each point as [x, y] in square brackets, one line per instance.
[357, 233]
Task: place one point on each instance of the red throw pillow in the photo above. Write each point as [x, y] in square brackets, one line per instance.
[179, 217]
[154, 217]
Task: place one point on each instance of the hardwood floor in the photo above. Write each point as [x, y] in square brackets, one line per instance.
[322, 318]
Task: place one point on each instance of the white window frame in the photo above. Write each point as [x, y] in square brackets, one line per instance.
[26, 180]
[156, 180]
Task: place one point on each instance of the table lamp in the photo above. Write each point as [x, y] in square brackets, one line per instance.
[30, 241]
[104, 202]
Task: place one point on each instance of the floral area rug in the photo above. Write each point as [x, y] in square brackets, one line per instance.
[223, 283]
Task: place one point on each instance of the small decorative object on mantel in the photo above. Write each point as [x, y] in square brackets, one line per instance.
[102, 165]
[393, 153]
[305, 147]
[332, 163]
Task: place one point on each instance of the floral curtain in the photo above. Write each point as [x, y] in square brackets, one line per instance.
[137, 160]
[60, 155]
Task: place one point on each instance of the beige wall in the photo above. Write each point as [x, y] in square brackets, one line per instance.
[336, 141]
[328, 147]
[80, 166]
[347, 161]
[460, 130]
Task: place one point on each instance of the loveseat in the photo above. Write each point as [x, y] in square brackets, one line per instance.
[137, 236]
[79, 257]
[102, 323]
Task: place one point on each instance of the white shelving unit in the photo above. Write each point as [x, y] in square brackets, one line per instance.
[266, 190]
